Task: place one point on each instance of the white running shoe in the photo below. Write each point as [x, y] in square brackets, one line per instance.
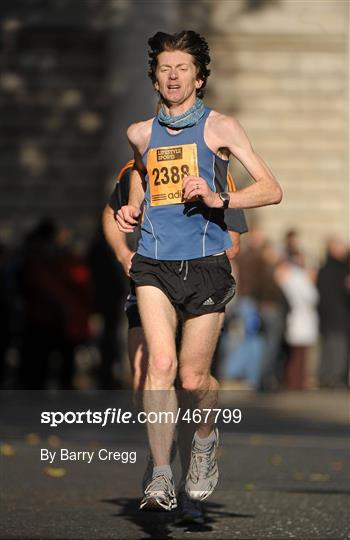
[203, 473]
[147, 477]
[159, 494]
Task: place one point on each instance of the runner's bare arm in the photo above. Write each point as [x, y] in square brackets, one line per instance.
[127, 216]
[137, 185]
[226, 132]
[116, 239]
[137, 137]
[266, 190]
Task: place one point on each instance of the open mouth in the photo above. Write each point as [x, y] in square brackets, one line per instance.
[173, 86]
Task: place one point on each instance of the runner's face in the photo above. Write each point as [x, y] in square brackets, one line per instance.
[176, 76]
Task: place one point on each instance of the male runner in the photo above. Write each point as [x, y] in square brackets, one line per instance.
[124, 247]
[180, 265]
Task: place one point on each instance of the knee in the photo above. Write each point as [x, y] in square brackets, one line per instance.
[162, 367]
[194, 381]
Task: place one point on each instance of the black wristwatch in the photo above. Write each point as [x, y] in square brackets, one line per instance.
[225, 197]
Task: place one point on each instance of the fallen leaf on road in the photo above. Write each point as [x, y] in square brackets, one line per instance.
[276, 459]
[7, 450]
[249, 487]
[55, 472]
[318, 477]
[256, 440]
[32, 439]
[53, 440]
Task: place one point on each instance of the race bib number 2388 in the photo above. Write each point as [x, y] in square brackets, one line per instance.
[167, 166]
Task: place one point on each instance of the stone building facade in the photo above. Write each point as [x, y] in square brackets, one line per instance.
[73, 77]
[282, 68]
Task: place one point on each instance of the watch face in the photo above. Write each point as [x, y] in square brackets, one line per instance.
[225, 197]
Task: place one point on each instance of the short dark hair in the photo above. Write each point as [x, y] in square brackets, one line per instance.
[186, 41]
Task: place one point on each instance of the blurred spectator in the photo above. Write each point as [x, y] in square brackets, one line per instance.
[56, 291]
[334, 310]
[273, 309]
[252, 346]
[110, 286]
[242, 344]
[292, 246]
[250, 264]
[302, 318]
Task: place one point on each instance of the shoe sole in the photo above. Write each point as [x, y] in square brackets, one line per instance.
[153, 505]
[197, 495]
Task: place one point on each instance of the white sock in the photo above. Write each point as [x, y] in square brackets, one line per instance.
[204, 443]
[162, 469]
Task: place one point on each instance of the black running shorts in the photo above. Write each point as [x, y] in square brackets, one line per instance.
[131, 309]
[196, 286]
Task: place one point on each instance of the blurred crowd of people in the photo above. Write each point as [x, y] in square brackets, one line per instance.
[284, 310]
[56, 302]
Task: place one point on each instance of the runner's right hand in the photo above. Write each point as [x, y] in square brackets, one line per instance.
[127, 218]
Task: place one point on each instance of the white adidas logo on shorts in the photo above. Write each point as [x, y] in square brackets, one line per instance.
[209, 302]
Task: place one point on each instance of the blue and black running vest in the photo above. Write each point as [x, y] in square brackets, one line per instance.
[181, 231]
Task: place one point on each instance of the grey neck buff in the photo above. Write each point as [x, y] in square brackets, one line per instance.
[187, 119]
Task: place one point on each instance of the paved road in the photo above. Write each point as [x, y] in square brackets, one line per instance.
[284, 472]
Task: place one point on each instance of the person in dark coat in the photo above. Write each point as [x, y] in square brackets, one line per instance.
[334, 309]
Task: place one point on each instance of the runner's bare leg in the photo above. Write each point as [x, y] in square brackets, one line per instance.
[138, 356]
[199, 387]
[159, 323]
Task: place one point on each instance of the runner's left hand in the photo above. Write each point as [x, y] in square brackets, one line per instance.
[195, 187]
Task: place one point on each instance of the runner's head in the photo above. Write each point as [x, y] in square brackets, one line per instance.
[178, 65]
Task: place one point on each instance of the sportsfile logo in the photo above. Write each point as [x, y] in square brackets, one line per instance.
[168, 154]
[112, 415]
